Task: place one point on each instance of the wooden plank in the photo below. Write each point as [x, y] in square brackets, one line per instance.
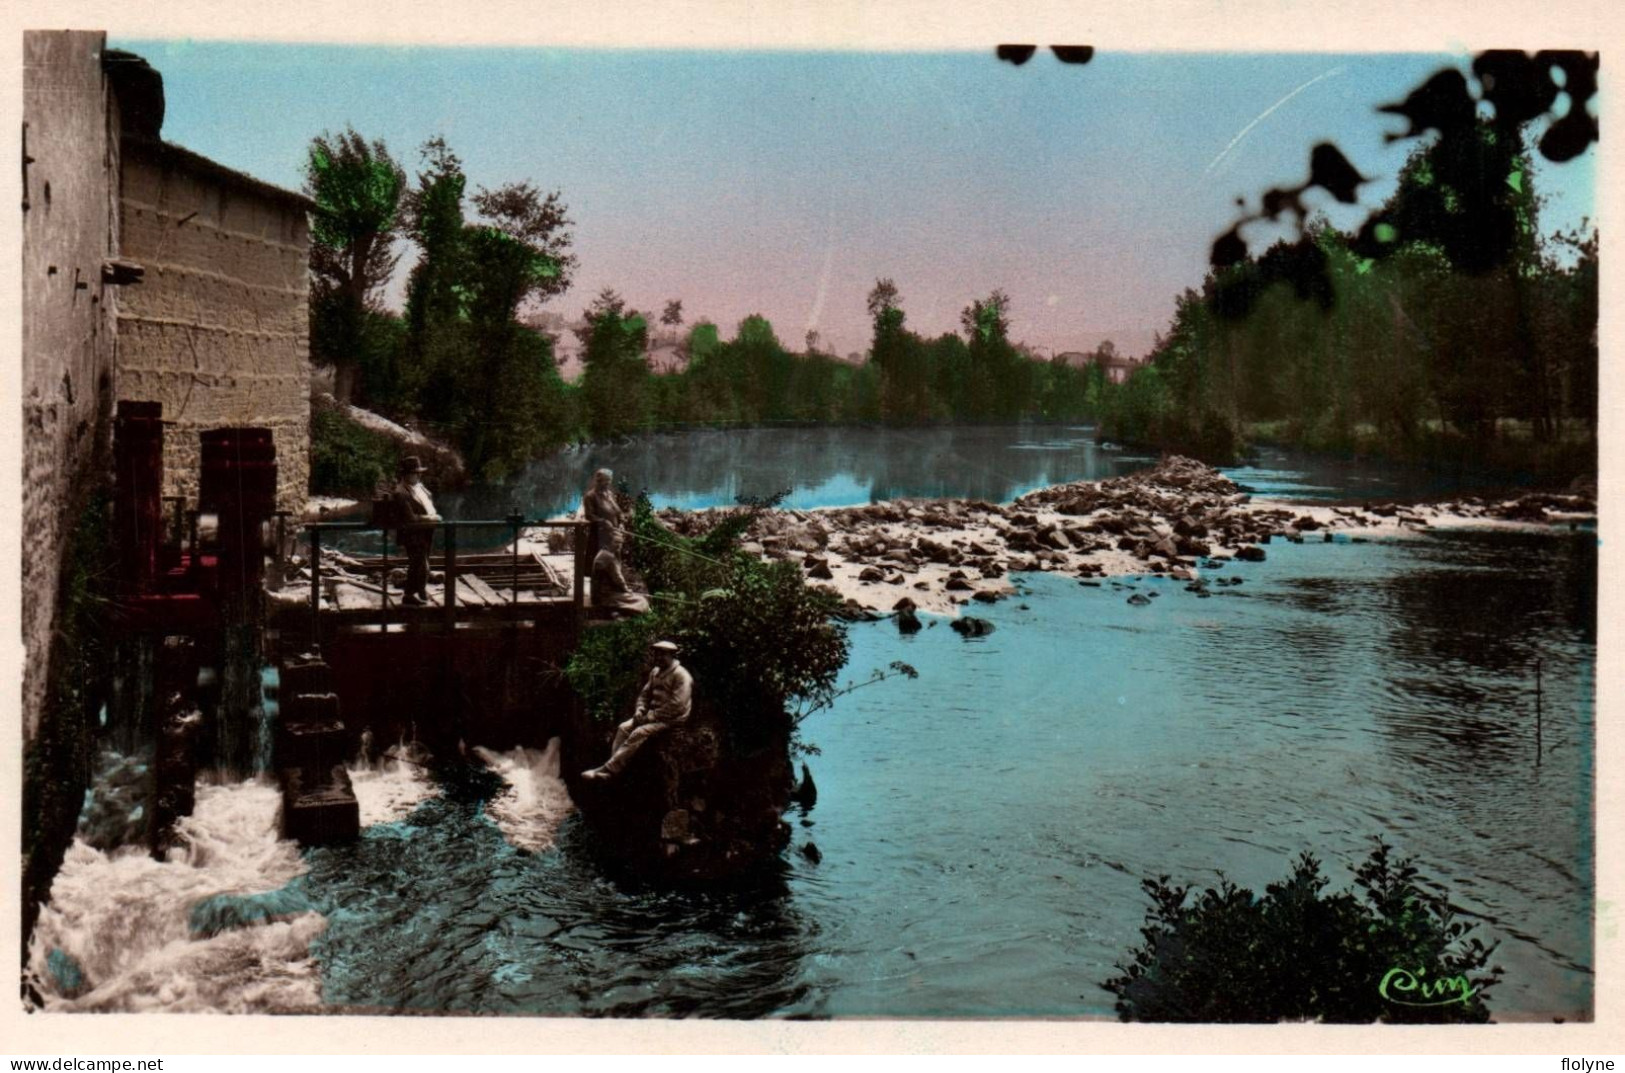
[467, 594]
[480, 585]
[355, 598]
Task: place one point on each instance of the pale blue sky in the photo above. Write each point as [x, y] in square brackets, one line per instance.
[785, 183]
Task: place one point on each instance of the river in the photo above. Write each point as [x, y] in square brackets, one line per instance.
[983, 829]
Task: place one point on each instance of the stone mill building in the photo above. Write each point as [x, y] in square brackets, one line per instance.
[150, 274]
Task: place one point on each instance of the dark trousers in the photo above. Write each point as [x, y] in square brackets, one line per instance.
[416, 548]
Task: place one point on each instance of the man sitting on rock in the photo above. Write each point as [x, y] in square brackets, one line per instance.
[610, 592]
[665, 700]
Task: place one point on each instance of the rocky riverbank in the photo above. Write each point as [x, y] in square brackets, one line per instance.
[1181, 519]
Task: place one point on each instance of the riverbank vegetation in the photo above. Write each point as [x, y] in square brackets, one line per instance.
[460, 362]
[457, 361]
[347, 458]
[706, 801]
[1445, 329]
[1393, 953]
[763, 645]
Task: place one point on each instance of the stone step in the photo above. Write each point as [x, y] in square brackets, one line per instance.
[311, 747]
[305, 677]
[320, 813]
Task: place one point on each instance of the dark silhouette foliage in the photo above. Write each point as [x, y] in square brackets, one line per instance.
[1394, 953]
[1480, 232]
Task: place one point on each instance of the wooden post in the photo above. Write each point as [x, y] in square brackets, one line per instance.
[516, 521]
[580, 546]
[450, 573]
[315, 588]
[383, 582]
[281, 540]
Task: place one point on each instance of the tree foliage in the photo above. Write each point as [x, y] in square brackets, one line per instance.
[347, 459]
[463, 363]
[1421, 353]
[758, 639]
[357, 187]
[617, 372]
[1393, 953]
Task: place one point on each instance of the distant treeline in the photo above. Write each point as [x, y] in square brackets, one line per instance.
[458, 362]
[1423, 349]
[754, 378]
[1431, 348]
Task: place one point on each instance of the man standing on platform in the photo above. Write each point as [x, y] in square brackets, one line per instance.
[666, 699]
[417, 517]
[602, 511]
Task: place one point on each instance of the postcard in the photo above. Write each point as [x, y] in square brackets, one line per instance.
[976, 534]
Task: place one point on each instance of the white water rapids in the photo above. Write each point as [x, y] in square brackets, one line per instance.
[530, 810]
[214, 927]
[124, 919]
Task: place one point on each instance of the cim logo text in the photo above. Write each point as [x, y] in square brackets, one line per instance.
[1406, 988]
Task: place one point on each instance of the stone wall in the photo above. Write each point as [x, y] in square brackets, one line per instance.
[217, 330]
[70, 228]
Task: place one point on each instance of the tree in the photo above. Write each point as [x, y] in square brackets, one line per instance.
[357, 188]
[1000, 380]
[883, 296]
[987, 318]
[471, 367]
[510, 396]
[1451, 266]
[541, 224]
[673, 315]
[434, 218]
[896, 353]
[617, 373]
[765, 367]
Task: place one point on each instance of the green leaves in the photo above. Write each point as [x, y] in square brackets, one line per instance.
[1299, 954]
[757, 638]
[357, 188]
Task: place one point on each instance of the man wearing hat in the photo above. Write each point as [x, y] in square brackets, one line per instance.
[416, 511]
[665, 700]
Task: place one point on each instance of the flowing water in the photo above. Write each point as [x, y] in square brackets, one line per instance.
[983, 829]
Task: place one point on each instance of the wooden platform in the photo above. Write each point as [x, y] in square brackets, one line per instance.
[485, 596]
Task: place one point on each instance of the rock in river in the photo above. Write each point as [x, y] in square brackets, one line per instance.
[970, 626]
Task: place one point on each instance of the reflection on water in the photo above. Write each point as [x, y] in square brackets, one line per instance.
[835, 467]
[823, 467]
[1331, 697]
[1278, 472]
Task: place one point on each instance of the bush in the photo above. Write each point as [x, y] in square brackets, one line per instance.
[755, 635]
[346, 458]
[1296, 954]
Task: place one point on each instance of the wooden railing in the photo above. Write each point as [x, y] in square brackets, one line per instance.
[447, 530]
